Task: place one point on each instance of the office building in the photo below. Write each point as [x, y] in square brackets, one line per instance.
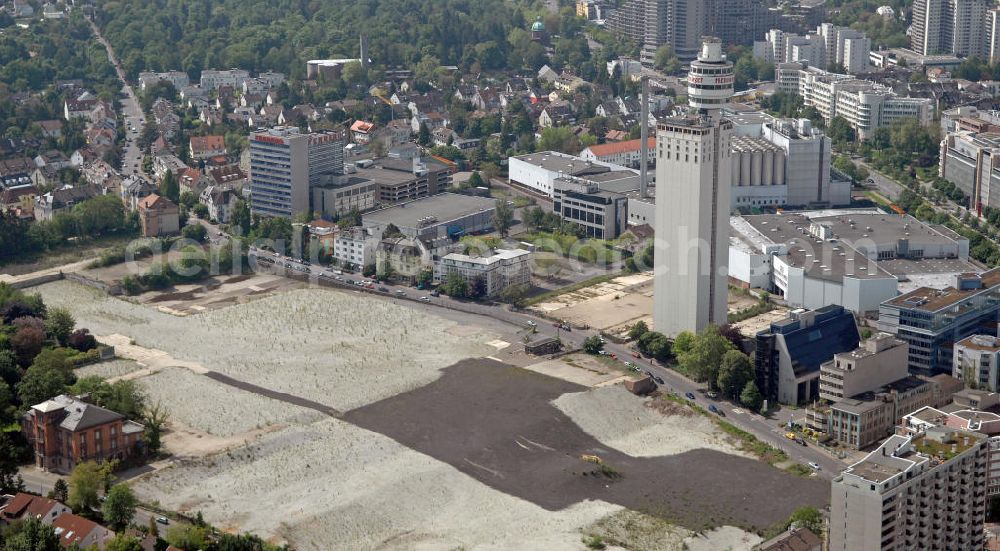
[958, 27]
[694, 171]
[865, 419]
[931, 320]
[339, 194]
[626, 154]
[789, 354]
[489, 274]
[441, 215]
[601, 214]
[232, 78]
[879, 361]
[286, 164]
[924, 491]
[740, 21]
[405, 179]
[971, 161]
[976, 361]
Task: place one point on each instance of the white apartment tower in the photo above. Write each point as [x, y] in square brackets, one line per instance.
[959, 27]
[285, 164]
[694, 176]
[925, 491]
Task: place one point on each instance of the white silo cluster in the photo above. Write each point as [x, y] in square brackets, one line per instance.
[757, 162]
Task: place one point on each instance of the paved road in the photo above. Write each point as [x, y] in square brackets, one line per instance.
[135, 120]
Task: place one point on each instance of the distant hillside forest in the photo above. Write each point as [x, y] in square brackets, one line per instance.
[280, 35]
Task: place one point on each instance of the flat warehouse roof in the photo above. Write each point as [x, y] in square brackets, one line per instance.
[443, 206]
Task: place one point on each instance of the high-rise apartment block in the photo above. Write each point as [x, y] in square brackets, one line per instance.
[922, 491]
[694, 175]
[960, 27]
[286, 163]
[830, 44]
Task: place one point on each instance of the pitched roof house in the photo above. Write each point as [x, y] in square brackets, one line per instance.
[158, 216]
[203, 147]
[23, 506]
[73, 529]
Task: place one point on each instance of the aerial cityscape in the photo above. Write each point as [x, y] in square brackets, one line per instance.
[644, 275]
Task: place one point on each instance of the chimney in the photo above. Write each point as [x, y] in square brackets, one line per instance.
[644, 138]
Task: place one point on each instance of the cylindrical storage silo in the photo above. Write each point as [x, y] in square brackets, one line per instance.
[745, 167]
[779, 167]
[755, 168]
[735, 161]
[768, 176]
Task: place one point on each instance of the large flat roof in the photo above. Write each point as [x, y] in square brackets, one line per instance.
[931, 299]
[443, 206]
[560, 162]
[851, 233]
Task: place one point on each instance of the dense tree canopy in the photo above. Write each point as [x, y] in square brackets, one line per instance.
[281, 35]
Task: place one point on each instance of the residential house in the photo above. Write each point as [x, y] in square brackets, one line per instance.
[272, 78]
[204, 147]
[99, 137]
[228, 176]
[82, 533]
[211, 115]
[253, 101]
[403, 257]
[547, 74]
[396, 131]
[56, 201]
[16, 171]
[430, 120]
[51, 128]
[464, 92]
[568, 82]
[268, 116]
[256, 86]
[220, 202]
[52, 158]
[158, 216]
[361, 131]
[273, 97]
[486, 99]
[167, 162]
[556, 114]
[354, 248]
[19, 200]
[191, 180]
[67, 430]
[24, 506]
[45, 177]
[133, 190]
[491, 274]
[78, 108]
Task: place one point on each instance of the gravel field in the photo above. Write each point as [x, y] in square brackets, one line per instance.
[205, 405]
[345, 350]
[109, 369]
[334, 482]
[724, 537]
[625, 422]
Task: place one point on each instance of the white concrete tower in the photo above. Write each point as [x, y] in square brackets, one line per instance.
[693, 178]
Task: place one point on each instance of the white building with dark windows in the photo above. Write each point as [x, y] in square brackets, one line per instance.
[492, 273]
[601, 214]
[977, 362]
[354, 248]
[285, 164]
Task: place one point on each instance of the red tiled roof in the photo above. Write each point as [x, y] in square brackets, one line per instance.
[614, 148]
[23, 504]
[200, 144]
[74, 528]
[362, 126]
[154, 201]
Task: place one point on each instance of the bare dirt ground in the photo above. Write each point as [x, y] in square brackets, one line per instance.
[497, 424]
[581, 369]
[610, 306]
[426, 456]
[632, 425]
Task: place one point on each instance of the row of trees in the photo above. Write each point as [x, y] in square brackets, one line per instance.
[712, 357]
[100, 216]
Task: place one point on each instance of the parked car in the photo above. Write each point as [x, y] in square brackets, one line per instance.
[163, 520]
[689, 395]
[383, 289]
[800, 442]
[712, 394]
[659, 380]
[814, 465]
[716, 410]
[425, 299]
[531, 323]
[435, 294]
